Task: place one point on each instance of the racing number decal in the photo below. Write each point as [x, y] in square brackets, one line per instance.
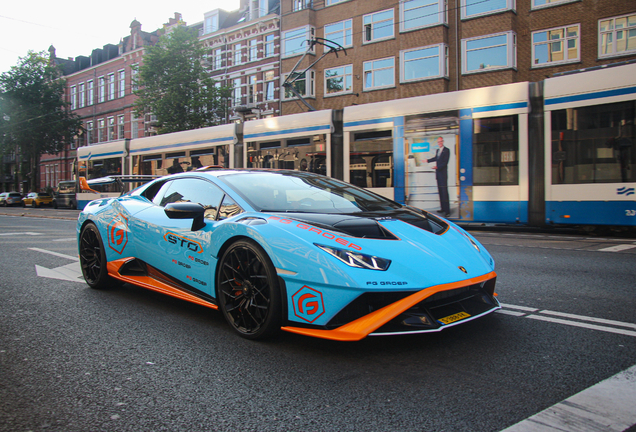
[308, 304]
[118, 234]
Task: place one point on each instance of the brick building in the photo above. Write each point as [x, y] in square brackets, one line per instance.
[417, 47]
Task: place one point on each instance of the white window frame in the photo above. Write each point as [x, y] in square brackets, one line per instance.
[237, 91]
[442, 9]
[120, 127]
[89, 132]
[90, 88]
[82, 95]
[134, 125]
[268, 49]
[134, 73]
[309, 33]
[442, 61]
[269, 81]
[613, 32]
[550, 3]
[347, 38]
[121, 77]
[510, 5]
[563, 41]
[511, 53]
[372, 71]
[347, 72]
[368, 28]
[252, 89]
[309, 86]
[217, 59]
[238, 54]
[252, 50]
[211, 22]
[111, 86]
[298, 5]
[101, 128]
[73, 97]
[111, 129]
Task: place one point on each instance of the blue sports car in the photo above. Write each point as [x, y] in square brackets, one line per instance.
[289, 250]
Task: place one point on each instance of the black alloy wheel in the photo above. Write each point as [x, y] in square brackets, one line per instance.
[248, 290]
[93, 258]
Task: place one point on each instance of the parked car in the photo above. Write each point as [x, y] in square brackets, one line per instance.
[37, 199]
[65, 196]
[10, 198]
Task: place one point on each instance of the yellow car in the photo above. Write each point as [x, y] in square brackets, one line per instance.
[37, 199]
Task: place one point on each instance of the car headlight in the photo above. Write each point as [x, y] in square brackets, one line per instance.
[357, 259]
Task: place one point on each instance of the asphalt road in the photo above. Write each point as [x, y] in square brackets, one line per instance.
[127, 359]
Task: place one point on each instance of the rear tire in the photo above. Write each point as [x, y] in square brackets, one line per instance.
[93, 258]
[248, 290]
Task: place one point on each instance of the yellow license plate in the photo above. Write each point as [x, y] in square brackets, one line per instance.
[455, 317]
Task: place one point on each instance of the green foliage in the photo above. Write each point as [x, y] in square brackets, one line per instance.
[34, 118]
[175, 87]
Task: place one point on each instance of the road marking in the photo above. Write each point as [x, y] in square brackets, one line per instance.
[21, 234]
[57, 254]
[70, 272]
[617, 248]
[70, 239]
[607, 406]
[549, 316]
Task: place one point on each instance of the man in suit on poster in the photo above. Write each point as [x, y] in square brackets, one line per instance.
[441, 175]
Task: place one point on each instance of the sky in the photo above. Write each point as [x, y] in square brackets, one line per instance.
[75, 27]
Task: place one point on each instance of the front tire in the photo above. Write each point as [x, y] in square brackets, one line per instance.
[93, 258]
[248, 290]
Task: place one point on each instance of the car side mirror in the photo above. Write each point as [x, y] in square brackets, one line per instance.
[187, 210]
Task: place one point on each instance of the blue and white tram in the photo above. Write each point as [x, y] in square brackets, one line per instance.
[389, 147]
[590, 158]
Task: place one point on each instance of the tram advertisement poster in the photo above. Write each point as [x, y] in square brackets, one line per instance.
[431, 164]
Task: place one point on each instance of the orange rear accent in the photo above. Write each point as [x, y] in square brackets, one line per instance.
[362, 327]
[156, 282]
[83, 184]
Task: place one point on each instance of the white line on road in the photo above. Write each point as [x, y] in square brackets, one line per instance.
[607, 406]
[583, 325]
[591, 319]
[20, 233]
[74, 258]
[617, 248]
[523, 308]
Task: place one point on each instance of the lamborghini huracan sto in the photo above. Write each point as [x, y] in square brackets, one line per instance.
[289, 250]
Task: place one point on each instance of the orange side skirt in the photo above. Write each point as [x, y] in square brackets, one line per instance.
[156, 283]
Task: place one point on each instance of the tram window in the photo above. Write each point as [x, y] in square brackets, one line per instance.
[594, 144]
[103, 168]
[371, 159]
[300, 154]
[296, 142]
[495, 151]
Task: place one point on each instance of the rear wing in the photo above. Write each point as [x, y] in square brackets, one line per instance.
[118, 181]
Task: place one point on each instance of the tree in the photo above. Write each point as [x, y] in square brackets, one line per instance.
[175, 86]
[35, 118]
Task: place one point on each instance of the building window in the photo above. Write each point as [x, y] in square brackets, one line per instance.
[301, 4]
[91, 93]
[304, 86]
[89, 133]
[379, 74]
[217, 59]
[269, 45]
[122, 83]
[378, 26]
[101, 89]
[120, 127]
[617, 36]
[555, 46]
[134, 76]
[269, 77]
[491, 52]
[424, 63]
[73, 97]
[134, 126]
[82, 95]
[295, 42]
[416, 14]
[340, 33]
[253, 53]
[238, 54]
[547, 3]
[476, 8]
[236, 92]
[111, 86]
[111, 128]
[101, 129]
[251, 89]
[211, 23]
[338, 80]
[333, 2]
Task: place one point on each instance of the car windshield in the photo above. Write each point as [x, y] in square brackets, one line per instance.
[304, 193]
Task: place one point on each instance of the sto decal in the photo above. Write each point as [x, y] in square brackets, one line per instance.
[308, 304]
